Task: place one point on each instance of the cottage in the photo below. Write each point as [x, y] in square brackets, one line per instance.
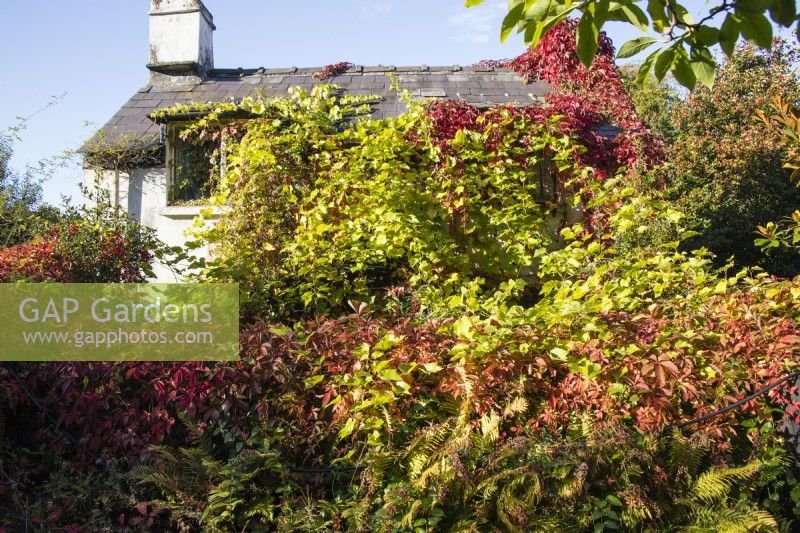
[182, 71]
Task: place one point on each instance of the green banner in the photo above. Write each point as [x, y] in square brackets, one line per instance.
[119, 322]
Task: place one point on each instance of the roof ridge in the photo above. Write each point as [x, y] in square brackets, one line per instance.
[372, 69]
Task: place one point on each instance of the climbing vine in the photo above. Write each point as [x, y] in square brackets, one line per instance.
[454, 319]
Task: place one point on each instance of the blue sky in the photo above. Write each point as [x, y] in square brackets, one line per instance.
[93, 52]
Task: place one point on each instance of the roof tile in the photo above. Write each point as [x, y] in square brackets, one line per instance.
[477, 85]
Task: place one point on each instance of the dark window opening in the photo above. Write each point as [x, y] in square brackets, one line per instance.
[194, 168]
[547, 186]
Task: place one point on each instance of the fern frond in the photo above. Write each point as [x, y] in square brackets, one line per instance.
[716, 483]
[408, 518]
[685, 454]
[465, 526]
[516, 498]
[732, 521]
[516, 406]
[571, 488]
[428, 447]
[490, 426]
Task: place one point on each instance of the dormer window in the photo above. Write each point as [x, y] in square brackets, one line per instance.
[193, 167]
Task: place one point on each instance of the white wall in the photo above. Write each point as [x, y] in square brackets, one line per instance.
[142, 193]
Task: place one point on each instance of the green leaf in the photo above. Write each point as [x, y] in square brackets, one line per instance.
[705, 70]
[541, 15]
[627, 12]
[634, 46]
[683, 72]
[783, 12]
[390, 374]
[729, 35]
[657, 12]
[645, 68]
[511, 20]
[473, 3]
[757, 29]
[313, 381]
[600, 13]
[751, 6]
[348, 428]
[682, 14]
[432, 368]
[664, 62]
[616, 389]
[707, 35]
[587, 39]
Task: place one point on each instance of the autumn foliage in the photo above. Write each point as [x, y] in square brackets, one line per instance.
[430, 343]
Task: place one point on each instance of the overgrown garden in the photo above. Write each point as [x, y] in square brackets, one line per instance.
[458, 319]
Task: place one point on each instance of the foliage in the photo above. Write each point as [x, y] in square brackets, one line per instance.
[655, 102]
[22, 214]
[783, 233]
[423, 411]
[686, 43]
[597, 88]
[242, 493]
[100, 244]
[725, 168]
[121, 152]
[330, 71]
[445, 342]
[304, 227]
[37, 455]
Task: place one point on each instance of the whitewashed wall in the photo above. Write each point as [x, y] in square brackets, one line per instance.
[142, 193]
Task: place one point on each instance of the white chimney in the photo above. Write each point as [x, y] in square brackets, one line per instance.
[181, 39]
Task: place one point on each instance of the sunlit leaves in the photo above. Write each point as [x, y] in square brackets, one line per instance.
[633, 47]
[688, 44]
[587, 39]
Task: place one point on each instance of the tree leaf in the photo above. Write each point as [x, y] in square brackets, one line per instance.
[657, 12]
[783, 12]
[751, 6]
[631, 13]
[473, 3]
[634, 46]
[600, 13]
[757, 29]
[511, 20]
[729, 35]
[704, 71]
[683, 72]
[587, 39]
[708, 35]
[664, 62]
[645, 68]
[541, 15]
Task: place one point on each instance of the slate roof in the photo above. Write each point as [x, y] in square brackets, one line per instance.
[482, 86]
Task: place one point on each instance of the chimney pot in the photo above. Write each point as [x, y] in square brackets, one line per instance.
[181, 40]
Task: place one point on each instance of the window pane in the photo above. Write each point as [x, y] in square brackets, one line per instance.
[192, 173]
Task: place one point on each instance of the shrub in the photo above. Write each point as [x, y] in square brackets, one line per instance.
[655, 101]
[73, 402]
[102, 245]
[725, 168]
[22, 213]
[468, 420]
[439, 351]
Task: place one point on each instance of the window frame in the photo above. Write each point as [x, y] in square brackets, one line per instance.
[174, 145]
